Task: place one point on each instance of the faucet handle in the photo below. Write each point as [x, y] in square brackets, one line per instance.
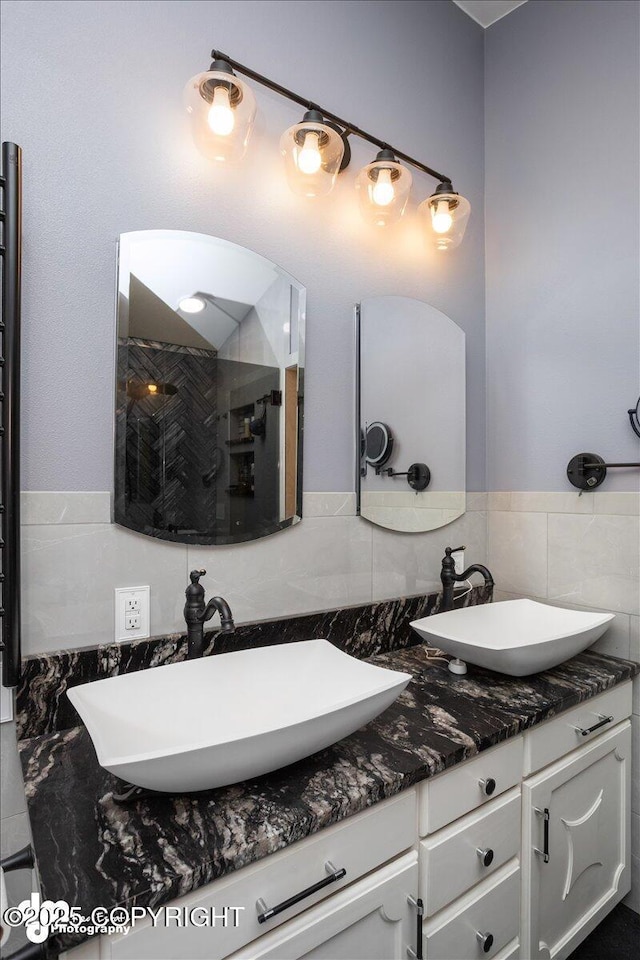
[195, 575]
[450, 550]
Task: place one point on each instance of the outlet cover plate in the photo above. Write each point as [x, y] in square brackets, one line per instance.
[123, 614]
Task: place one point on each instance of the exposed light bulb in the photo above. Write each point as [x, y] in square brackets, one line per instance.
[383, 192]
[441, 219]
[221, 117]
[152, 387]
[309, 159]
[191, 304]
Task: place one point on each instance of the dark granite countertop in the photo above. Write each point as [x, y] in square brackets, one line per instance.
[93, 851]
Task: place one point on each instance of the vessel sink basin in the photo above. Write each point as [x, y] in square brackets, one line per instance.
[517, 637]
[219, 720]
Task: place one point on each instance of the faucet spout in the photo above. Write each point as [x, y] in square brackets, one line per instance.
[196, 615]
[220, 605]
[449, 577]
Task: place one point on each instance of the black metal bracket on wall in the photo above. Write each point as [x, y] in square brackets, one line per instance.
[586, 471]
[11, 250]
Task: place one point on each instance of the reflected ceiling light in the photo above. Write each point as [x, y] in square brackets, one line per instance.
[191, 304]
[383, 189]
[222, 109]
[139, 390]
[314, 153]
[448, 214]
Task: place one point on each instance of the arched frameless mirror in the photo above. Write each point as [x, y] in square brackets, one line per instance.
[210, 373]
[411, 415]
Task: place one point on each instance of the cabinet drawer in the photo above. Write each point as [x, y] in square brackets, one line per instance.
[372, 918]
[358, 845]
[449, 860]
[491, 910]
[462, 788]
[553, 739]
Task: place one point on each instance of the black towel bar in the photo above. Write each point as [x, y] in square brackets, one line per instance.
[11, 251]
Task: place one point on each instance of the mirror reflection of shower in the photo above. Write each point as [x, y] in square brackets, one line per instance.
[209, 404]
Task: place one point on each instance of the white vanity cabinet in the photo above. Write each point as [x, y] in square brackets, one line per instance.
[576, 846]
[469, 865]
[516, 854]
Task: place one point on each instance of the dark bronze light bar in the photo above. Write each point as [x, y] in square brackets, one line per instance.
[350, 129]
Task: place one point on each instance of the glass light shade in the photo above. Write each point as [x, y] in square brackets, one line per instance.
[447, 215]
[312, 153]
[383, 190]
[222, 109]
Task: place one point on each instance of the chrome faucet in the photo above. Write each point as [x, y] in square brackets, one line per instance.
[449, 577]
[196, 615]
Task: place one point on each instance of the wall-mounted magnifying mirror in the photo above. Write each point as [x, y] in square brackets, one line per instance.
[411, 415]
[379, 444]
[210, 359]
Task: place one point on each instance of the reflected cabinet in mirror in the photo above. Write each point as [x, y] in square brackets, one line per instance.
[210, 358]
[411, 415]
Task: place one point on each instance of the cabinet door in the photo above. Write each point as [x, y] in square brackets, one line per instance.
[573, 878]
[371, 920]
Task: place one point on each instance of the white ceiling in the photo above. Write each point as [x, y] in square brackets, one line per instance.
[486, 12]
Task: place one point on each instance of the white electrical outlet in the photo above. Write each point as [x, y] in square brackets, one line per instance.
[458, 557]
[132, 613]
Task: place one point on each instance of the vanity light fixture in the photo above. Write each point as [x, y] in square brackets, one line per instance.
[383, 189]
[222, 111]
[448, 214]
[313, 153]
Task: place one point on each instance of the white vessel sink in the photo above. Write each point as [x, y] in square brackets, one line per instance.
[517, 637]
[218, 720]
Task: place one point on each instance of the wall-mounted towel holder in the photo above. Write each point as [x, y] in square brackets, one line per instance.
[11, 251]
[24, 860]
[586, 471]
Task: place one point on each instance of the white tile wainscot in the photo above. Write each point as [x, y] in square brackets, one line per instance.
[74, 558]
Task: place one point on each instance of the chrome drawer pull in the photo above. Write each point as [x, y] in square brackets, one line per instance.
[486, 856]
[485, 940]
[266, 913]
[601, 723]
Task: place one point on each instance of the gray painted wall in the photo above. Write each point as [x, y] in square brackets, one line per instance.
[562, 241]
[92, 91]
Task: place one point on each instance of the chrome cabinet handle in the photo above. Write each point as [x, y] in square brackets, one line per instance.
[418, 905]
[266, 913]
[486, 856]
[546, 816]
[596, 726]
[485, 940]
[487, 786]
